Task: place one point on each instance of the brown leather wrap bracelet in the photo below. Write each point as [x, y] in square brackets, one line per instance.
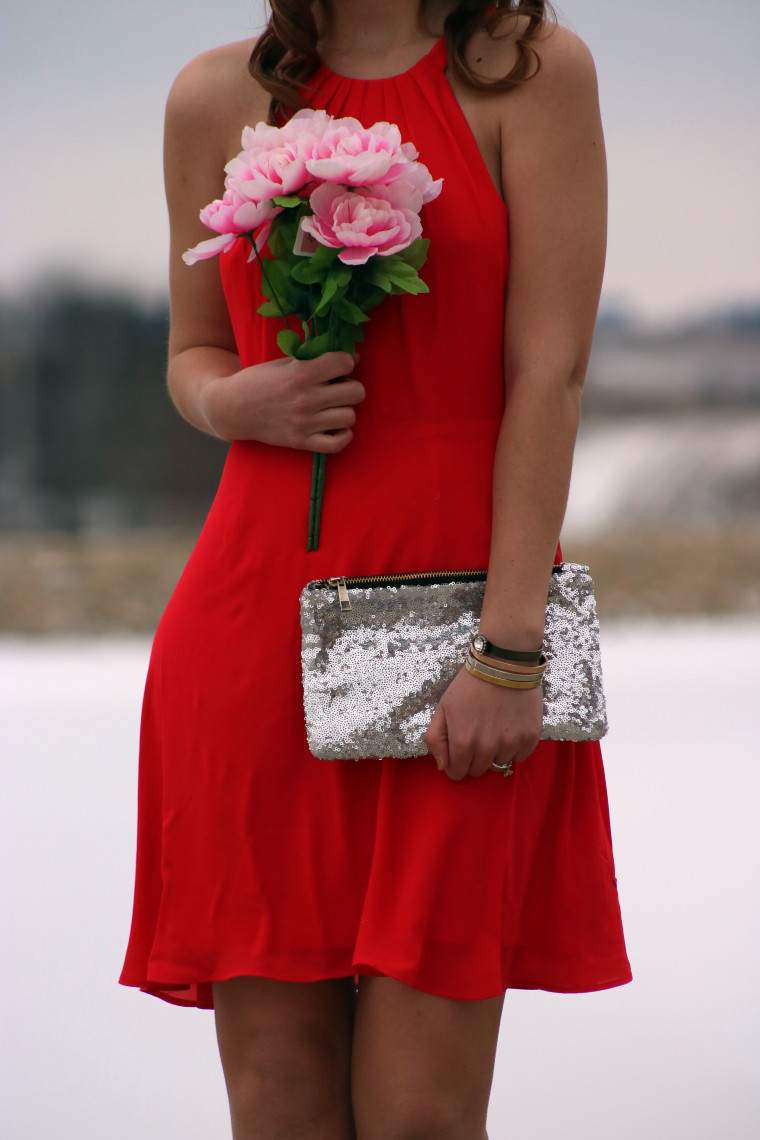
[481, 644]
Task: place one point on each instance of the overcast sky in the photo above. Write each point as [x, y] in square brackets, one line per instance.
[83, 86]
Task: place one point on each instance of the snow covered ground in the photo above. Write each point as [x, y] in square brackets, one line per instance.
[700, 467]
[674, 1056]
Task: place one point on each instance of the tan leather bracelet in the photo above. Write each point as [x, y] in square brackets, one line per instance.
[497, 671]
[500, 680]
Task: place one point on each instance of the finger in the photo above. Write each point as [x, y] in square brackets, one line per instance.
[461, 757]
[346, 392]
[484, 762]
[524, 753]
[329, 443]
[502, 767]
[437, 740]
[332, 366]
[497, 751]
[333, 419]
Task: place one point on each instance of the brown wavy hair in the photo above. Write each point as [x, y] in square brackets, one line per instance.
[286, 55]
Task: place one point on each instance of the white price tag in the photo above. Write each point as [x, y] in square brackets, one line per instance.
[305, 244]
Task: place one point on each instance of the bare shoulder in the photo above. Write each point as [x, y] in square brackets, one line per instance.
[564, 61]
[215, 96]
[212, 99]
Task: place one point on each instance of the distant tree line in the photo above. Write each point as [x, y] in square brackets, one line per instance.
[89, 437]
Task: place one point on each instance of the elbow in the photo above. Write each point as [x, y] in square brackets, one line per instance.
[575, 380]
[553, 378]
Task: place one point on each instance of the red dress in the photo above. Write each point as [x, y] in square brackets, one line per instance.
[255, 858]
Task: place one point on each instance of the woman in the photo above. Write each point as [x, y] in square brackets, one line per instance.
[268, 880]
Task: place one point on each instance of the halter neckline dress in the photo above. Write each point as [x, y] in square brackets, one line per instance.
[254, 857]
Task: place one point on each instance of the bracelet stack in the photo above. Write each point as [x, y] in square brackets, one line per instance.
[510, 668]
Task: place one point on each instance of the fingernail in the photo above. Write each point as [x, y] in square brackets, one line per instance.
[439, 762]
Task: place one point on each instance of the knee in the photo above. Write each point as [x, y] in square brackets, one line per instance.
[286, 1051]
[298, 1077]
[427, 1118]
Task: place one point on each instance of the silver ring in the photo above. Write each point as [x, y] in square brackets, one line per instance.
[505, 768]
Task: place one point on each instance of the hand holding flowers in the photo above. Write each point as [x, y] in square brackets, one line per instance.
[355, 195]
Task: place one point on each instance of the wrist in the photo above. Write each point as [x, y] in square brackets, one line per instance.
[216, 403]
[197, 380]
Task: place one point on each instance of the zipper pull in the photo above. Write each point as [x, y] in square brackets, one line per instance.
[343, 598]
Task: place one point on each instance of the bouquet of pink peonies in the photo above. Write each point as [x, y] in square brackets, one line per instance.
[336, 205]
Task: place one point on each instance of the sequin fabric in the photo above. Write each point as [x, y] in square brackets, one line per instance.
[373, 674]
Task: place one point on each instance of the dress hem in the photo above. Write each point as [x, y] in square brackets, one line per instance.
[171, 992]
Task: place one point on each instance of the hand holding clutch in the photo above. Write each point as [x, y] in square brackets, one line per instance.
[476, 726]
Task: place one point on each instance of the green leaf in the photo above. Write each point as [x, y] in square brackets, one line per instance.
[396, 268]
[289, 342]
[338, 281]
[329, 289]
[416, 286]
[403, 277]
[287, 200]
[308, 274]
[366, 296]
[377, 277]
[278, 284]
[347, 311]
[269, 309]
[416, 253]
[324, 257]
[280, 238]
[315, 346]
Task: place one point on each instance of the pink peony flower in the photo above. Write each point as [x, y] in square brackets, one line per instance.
[337, 153]
[359, 223]
[273, 159]
[410, 190]
[417, 178]
[360, 156]
[307, 122]
[263, 174]
[232, 216]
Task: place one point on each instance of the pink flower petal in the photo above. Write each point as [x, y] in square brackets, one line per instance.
[323, 235]
[352, 255]
[205, 249]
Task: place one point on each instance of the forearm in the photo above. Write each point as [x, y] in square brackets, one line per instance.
[530, 485]
[190, 375]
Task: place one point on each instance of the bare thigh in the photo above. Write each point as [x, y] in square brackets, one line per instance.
[422, 1065]
[286, 1055]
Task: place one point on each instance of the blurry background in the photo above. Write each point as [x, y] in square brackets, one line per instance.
[103, 489]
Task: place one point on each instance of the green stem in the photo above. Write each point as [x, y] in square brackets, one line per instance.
[315, 500]
[319, 459]
[267, 282]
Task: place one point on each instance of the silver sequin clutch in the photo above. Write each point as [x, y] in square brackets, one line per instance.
[378, 652]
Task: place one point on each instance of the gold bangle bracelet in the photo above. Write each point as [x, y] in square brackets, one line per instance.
[499, 681]
[520, 671]
[499, 672]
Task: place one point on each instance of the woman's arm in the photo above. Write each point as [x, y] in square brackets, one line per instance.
[197, 139]
[284, 402]
[554, 180]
